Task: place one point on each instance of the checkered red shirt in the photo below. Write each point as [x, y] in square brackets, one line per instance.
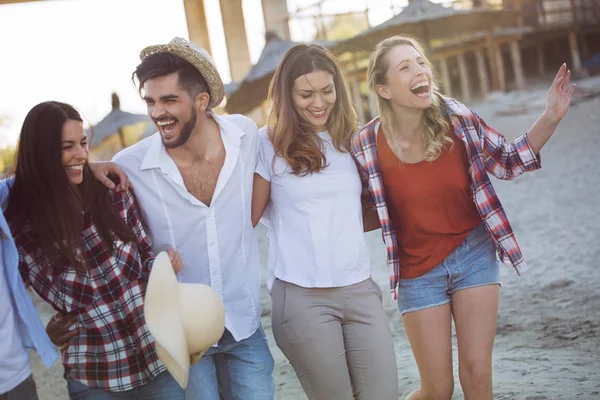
[488, 152]
[114, 349]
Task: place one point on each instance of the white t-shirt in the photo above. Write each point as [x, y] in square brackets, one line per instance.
[315, 221]
[14, 359]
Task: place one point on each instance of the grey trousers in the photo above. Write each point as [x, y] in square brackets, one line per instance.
[337, 339]
[24, 391]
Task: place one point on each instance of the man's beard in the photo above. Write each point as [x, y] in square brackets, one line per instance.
[186, 132]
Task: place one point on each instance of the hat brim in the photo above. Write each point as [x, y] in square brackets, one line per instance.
[204, 66]
[164, 320]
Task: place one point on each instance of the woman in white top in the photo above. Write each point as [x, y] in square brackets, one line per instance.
[327, 316]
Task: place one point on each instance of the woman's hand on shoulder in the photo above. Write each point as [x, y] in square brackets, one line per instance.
[110, 175]
[176, 261]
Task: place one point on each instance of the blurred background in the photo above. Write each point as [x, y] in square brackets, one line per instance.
[83, 51]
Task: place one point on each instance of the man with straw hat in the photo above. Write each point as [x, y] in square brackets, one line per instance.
[193, 179]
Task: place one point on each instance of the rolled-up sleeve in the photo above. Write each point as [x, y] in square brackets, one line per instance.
[503, 159]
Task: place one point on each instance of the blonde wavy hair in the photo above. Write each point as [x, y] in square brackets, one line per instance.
[292, 137]
[436, 125]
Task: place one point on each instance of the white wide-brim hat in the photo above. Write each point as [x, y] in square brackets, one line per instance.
[199, 58]
[186, 319]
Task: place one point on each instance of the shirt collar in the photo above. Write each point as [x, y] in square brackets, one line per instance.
[454, 108]
[158, 157]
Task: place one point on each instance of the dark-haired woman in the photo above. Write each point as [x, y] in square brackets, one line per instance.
[83, 249]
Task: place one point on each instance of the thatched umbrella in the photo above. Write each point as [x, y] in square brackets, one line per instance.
[117, 130]
[116, 121]
[253, 90]
[230, 88]
[426, 21]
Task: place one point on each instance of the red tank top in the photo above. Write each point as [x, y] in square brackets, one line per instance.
[430, 204]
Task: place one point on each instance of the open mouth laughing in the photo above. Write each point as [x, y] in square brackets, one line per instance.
[166, 126]
[421, 89]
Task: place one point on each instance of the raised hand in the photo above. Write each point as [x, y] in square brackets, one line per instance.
[559, 95]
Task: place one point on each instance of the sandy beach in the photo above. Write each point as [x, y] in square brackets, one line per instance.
[548, 341]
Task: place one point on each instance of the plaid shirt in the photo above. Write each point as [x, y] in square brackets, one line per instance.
[114, 350]
[488, 152]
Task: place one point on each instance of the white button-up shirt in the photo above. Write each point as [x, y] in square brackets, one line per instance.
[216, 243]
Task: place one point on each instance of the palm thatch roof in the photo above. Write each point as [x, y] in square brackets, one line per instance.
[115, 121]
[230, 88]
[253, 90]
[426, 21]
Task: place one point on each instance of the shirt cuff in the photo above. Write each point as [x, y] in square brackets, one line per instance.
[530, 160]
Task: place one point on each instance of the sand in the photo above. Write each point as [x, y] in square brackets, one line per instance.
[548, 341]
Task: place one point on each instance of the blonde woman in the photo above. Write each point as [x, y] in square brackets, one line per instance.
[327, 313]
[425, 161]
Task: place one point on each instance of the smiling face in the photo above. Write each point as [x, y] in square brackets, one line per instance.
[171, 108]
[314, 96]
[74, 150]
[409, 80]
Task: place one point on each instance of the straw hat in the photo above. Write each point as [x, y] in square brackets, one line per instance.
[199, 58]
[186, 319]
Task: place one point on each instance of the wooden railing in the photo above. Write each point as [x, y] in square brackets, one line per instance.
[550, 13]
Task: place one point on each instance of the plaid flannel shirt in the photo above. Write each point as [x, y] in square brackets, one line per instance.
[114, 350]
[488, 152]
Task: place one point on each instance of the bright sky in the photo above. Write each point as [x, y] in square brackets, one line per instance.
[79, 51]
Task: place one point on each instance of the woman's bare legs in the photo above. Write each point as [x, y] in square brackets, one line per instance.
[475, 312]
[429, 332]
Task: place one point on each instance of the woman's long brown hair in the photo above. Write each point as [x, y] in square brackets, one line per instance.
[41, 194]
[293, 138]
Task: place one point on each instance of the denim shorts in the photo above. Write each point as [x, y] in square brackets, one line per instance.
[473, 263]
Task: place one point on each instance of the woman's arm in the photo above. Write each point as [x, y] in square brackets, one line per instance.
[508, 160]
[134, 220]
[557, 105]
[36, 274]
[261, 193]
[371, 220]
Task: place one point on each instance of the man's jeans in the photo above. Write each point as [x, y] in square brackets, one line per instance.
[162, 387]
[237, 370]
